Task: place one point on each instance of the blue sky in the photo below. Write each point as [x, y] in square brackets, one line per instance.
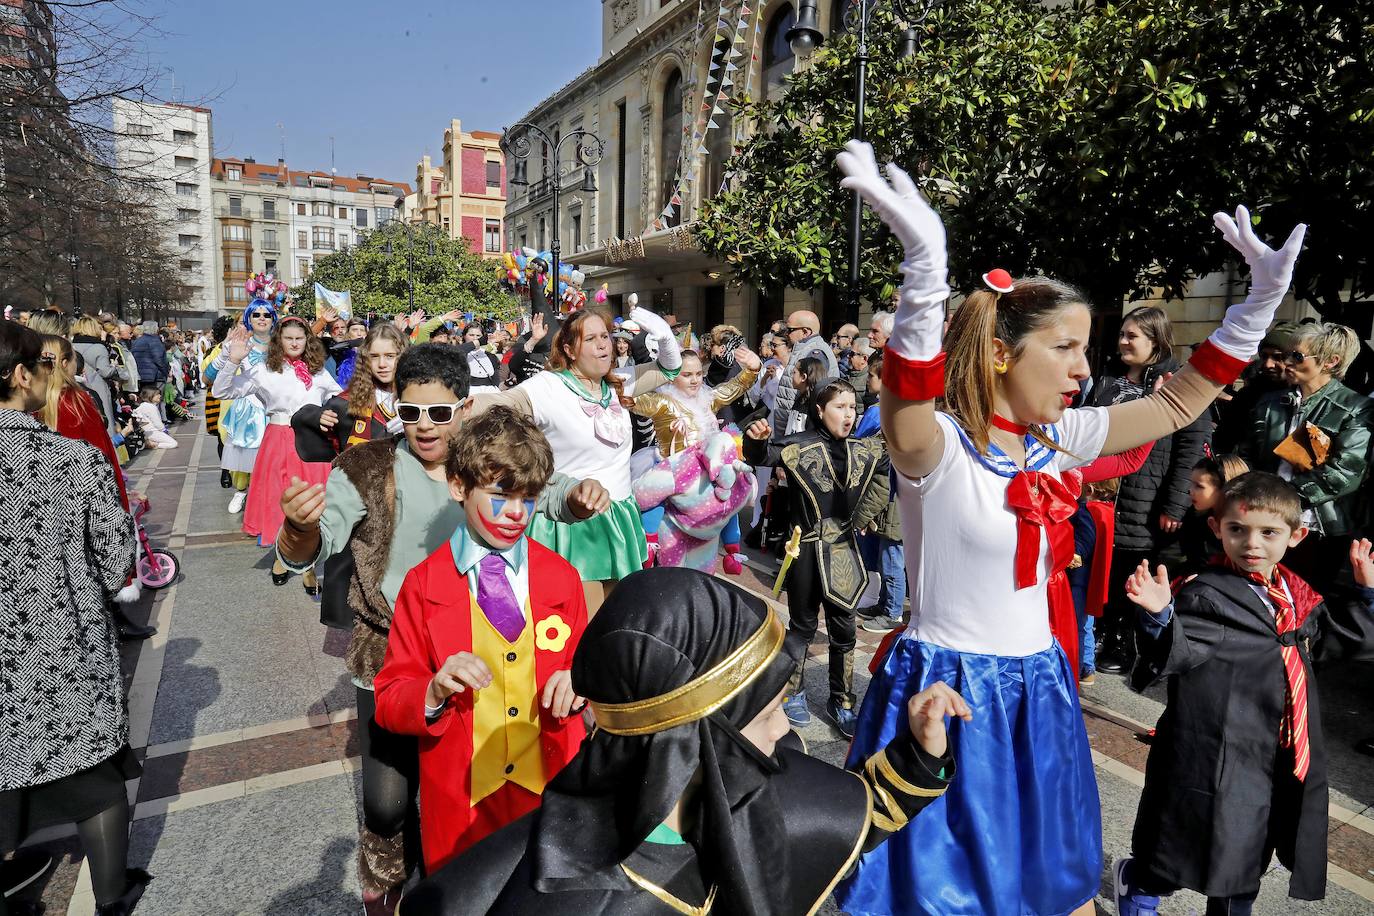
[382, 78]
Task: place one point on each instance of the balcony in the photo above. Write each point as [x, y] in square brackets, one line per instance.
[319, 245]
[240, 213]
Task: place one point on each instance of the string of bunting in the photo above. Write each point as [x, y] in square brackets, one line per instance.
[736, 22]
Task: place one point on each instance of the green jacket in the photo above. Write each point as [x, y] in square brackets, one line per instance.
[1334, 490]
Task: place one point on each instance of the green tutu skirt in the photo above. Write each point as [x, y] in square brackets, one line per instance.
[608, 546]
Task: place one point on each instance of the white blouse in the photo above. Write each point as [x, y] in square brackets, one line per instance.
[281, 393]
[566, 422]
[961, 545]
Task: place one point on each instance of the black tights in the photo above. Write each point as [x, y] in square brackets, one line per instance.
[391, 771]
[105, 838]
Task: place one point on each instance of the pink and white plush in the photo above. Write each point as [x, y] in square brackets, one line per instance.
[700, 488]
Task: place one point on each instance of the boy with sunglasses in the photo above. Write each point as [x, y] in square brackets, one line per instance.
[387, 504]
[478, 665]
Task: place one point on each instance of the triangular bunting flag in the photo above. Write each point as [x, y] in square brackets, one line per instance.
[726, 82]
[730, 68]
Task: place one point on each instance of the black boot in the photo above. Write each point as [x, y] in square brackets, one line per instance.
[138, 880]
[127, 629]
[225, 480]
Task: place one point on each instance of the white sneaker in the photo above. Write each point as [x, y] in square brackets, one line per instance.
[236, 504]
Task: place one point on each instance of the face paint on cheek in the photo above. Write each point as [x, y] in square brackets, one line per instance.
[529, 508]
[498, 505]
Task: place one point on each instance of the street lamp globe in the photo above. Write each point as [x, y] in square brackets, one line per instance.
[806, 35]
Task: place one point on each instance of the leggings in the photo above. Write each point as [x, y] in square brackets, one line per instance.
[805, 601]
[391, 777]
[105, 838]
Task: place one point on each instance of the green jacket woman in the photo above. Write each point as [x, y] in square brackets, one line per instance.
[1332, 489]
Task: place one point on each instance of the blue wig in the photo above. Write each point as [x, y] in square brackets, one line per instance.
[254, 306]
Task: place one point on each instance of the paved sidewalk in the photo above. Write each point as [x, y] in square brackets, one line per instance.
[245, 718]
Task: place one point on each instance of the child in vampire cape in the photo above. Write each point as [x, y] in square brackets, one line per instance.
[1237, 770]
[481, 645]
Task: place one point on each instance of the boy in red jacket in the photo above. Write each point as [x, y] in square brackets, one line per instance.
[478, 660]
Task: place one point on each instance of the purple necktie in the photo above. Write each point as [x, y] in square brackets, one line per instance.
[497, 598]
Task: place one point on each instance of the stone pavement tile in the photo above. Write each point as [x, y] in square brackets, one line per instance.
[175, 774]
[265, 853]
[1115, 741]
[1352, 849]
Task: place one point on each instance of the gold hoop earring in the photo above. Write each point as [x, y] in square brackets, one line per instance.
[999, 368]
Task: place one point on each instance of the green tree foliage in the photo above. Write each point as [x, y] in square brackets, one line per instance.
[1087, 141]
[447, 274]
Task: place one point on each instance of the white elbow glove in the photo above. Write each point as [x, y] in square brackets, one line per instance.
[669, 351]
[1271, 273]
[918, 327]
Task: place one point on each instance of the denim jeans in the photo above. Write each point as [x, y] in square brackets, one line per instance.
[1087, 646]
[892, 565]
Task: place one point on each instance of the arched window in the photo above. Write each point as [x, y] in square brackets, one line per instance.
[778, 59]
[837, 10]
[670, 142]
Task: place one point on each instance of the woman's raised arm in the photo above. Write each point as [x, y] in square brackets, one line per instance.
[913, 365]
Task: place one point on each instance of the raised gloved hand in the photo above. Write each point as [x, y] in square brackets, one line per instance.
[917, 326]
[1271, 273]
[669, 352]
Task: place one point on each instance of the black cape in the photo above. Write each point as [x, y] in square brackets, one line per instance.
[1219, 791]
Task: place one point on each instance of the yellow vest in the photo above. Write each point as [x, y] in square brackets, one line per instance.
[505, 722]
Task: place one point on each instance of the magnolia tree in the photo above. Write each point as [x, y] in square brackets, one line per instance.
[1086, 141]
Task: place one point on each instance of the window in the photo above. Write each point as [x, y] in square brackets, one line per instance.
[322, 238]
[269, 239]
[494, 174]
[186, 216]
[385, 215]
[670, 143]
[269, 209]
[235, 295]
[778, 59]
[576, 231]
[621, 150]
[233, 173]
[302, 239]
[302, 268]
[321, 208]
[343, 240]
[543, 230]
[236, 233]
[362, 217]
[185, 162]
[187, 241]
[524, 241]
[270, 265]
[186, 190]
[492, 235]
[343, 213]
[187, 265]
[236, 206]
[238, 262]
[183, 136]
[300, 209]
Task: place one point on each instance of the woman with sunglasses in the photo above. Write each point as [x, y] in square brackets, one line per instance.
[243, 421]
[577, 404]
[289, 377]
[1316, 435]
[64, 731]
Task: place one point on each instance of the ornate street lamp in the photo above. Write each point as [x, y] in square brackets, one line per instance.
[515, 143]
[806, 36]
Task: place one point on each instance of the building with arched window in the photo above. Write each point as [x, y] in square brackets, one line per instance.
[650, 82]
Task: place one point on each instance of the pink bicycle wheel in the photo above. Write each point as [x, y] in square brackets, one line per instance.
[158, 568]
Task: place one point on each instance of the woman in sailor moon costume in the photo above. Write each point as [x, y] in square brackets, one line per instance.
[1020, 831]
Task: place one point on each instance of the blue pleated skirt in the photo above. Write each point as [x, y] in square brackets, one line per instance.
[1020, 829]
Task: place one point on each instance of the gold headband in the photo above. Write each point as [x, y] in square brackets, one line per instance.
[701, 696]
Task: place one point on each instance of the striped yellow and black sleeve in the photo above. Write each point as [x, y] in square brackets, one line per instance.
[904, 779]
[212, 409]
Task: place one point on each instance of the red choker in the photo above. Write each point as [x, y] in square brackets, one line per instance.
[1007, 426]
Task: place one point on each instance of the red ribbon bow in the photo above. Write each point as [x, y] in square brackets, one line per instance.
[1040, 501]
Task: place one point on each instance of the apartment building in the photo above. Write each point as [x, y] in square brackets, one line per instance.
[170, 146]
[273, 219]
[466, 193]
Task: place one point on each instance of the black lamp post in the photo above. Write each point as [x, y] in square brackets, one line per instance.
[515, 142]
[805, 37]
[410, 231]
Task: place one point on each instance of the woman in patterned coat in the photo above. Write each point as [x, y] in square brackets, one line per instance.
[66, 546]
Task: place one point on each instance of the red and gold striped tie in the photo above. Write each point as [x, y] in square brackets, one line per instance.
[1293, 732]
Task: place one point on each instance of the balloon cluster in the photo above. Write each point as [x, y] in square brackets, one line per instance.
[529, 266]
[266, 286]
